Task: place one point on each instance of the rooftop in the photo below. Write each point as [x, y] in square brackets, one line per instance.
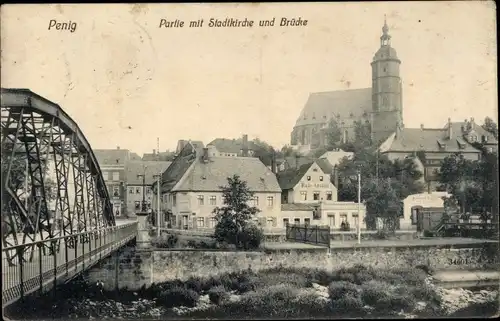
[107, 157]
[233, 146]
[289, 178]
[149, 168]
[211, 174]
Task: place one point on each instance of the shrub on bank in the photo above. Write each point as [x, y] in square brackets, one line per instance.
[165, 241]
[178, 296]
[218, 295]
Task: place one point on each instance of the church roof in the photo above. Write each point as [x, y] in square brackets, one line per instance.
[385, 52]
[322, 106]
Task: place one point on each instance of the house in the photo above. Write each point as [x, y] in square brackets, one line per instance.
[136, 186]
[191, 188]
[112, 163]
[309, 197]
[474, 133]
[222, 147]
[433, 145]
[336, 156]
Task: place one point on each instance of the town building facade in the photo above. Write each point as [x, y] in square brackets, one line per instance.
[140, 177]
[112, 163]
[191, 188]
[379, 106]
[310, 197]
[222, 147]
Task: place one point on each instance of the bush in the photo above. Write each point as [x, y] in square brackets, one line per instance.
[178, 296]
[372, 292]
[338, 290]
[394, 304]
[218, 295]
[165, 241]
[348, 303]
[250, 237]
[195, 284]
[381, 235]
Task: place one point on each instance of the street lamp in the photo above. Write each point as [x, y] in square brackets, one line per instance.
[143, 175]
[358, 174]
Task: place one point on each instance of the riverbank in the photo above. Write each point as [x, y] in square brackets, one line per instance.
[359, 291]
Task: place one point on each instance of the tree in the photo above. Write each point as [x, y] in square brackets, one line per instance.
[333, 135]
[362, 133]
[233, 219]
[382, 201]
[490, 126]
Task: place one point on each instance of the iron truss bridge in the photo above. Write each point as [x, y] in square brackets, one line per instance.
[57, 218]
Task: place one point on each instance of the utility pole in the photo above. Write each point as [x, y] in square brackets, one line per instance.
[143, 207]
[359, 207]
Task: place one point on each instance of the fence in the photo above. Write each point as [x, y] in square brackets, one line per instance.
[39, 265]
[312, 234]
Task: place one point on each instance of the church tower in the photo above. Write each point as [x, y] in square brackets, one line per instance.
[387, 103]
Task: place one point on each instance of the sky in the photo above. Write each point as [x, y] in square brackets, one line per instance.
[126, 81]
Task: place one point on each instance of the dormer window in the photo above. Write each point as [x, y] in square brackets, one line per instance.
[484, 138]
[473, 138]
[308, 178]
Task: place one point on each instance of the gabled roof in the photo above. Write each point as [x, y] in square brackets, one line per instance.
[209, 176]
[325, 165]
[289, 178]
[178, 168]
[106, 157]
[322, 106]
[134, 168]
[480, 131]
[429, 140]
[233, 146]
[183, 142]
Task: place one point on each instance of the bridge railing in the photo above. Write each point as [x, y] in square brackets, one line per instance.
[38, 266]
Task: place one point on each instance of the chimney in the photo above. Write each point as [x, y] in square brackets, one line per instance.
[472, 123]
[204, 157]
[154, 151]
[450, 132]
[245, 145]
[422, 126]
[118, 147]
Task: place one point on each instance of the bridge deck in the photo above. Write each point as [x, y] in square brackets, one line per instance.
[44, 269]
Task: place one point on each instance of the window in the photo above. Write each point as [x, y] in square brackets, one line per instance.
[307, 221]
[296, 220]
[174, 199]
[343, 217]
[285, 222]
[213, 200]
[303, 196]
[355, 219]
[270, 201]
[316, 196]
[213, 222]
[116, 191]
[137, 205]
[116, 176]
[138, 190]
[148, 190]
[308, 178]
[328, 196]
[105, 175]
[331, 220]
[131, 190]
[269, 222]
[201, 200]
[321, 178]
[255, 201]
[200, 222]
[473, 138]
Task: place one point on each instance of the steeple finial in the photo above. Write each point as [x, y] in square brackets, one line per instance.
[385, 39]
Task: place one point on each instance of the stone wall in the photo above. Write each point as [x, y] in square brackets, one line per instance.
[128, 267]
[170, 265]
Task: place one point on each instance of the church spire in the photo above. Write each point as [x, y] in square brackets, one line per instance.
[385, 39]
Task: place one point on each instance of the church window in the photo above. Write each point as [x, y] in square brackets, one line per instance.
[385, 70]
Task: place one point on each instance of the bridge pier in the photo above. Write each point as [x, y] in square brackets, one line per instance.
[143, 240]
